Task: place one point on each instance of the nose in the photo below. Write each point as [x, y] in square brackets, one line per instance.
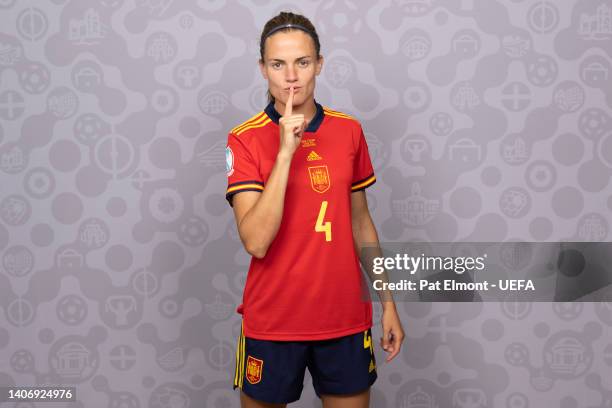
[291, 73]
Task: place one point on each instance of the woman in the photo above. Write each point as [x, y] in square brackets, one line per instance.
[296, 183]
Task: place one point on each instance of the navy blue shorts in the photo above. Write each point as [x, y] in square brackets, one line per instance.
[273, 371]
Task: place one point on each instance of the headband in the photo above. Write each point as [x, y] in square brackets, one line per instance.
[289, 25]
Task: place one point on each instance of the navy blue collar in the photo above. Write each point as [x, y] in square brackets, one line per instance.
[312, 126]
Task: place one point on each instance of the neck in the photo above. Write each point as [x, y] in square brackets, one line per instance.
[308, 108]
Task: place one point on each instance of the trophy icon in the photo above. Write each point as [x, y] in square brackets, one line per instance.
[414, 147]
[120, 306]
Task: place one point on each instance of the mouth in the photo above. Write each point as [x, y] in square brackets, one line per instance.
[295, 89]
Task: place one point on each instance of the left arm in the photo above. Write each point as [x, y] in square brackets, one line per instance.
[364, 235]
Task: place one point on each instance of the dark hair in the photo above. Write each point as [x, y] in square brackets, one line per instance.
[287, 17]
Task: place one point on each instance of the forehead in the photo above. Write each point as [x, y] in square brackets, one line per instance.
[291, 44]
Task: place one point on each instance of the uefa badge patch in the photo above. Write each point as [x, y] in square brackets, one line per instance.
[229, 161]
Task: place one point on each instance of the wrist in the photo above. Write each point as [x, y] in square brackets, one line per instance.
[283, 156]
[388, 305]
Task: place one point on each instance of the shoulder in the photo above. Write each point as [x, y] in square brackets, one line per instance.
[249, 126]
[346, 121]
[341, 117]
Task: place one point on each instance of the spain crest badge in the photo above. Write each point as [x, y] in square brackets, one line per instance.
[319, 178]
[254, 370]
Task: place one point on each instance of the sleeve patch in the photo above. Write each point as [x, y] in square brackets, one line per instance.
[229, 161]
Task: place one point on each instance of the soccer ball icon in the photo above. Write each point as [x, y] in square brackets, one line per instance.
[517, 354]
[441, 123]
[594, 122]
[71, 309]
[22, 361]
[88, 128]
[542, 71]
[34, 78]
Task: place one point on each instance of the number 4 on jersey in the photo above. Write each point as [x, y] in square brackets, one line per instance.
[323, 227]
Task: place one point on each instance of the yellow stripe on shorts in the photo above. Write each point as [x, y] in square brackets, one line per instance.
[243, 353]
[239, 360]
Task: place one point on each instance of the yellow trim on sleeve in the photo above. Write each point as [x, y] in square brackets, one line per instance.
[364, 183]
[244, 186]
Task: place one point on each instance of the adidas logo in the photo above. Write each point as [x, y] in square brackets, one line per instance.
[312, 156]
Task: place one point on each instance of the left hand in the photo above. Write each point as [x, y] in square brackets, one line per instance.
[393, 334]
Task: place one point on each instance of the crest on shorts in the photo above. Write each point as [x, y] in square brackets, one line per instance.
[254, 370]
[319, 178]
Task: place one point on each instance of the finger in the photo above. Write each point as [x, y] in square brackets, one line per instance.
[394, 352]
[290, 121]
[302, 128]
[297, 126]
[385, 341]
[293, 120]
[294, 125]
[289, 104]
[396, 345]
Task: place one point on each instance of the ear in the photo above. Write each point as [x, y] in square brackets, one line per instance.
[319, 65]
[262, 68]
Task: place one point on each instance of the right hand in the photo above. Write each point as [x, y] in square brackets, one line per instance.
[291, 127]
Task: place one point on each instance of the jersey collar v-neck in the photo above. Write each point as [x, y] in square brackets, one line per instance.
[314, 124]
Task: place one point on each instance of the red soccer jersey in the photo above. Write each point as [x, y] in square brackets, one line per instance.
[309, 284]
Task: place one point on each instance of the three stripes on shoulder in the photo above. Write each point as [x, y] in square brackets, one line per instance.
[261, 120]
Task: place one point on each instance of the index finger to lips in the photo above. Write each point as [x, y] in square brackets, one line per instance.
[289, 104]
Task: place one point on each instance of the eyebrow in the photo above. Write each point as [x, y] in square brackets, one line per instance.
[297, 59]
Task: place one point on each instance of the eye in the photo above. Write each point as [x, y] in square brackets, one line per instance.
[276, 65]
[304, 63]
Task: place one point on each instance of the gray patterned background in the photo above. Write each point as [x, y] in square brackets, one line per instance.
[121, 269]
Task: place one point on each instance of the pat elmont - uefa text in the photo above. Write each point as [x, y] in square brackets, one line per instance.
[459, 265]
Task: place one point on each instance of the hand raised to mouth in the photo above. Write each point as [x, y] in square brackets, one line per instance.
[291, 126]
